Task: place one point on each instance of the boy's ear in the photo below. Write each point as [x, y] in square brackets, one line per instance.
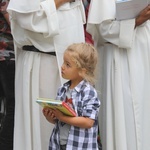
[84, 71]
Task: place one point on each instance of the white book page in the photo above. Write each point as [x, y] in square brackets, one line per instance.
[129, 9]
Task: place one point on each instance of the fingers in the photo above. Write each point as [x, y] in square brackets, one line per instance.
[48, 112]
[147, 9]
[143, 16]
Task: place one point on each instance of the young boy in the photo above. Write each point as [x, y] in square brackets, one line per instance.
[80, 132]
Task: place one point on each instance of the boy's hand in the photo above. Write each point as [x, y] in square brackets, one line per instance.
[49, 115]
[58, 114]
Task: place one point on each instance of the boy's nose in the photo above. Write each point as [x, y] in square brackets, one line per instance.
[62, 66]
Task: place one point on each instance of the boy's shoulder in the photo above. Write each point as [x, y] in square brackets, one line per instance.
[86, 87]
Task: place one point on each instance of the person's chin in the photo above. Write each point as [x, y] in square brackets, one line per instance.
[63, 75]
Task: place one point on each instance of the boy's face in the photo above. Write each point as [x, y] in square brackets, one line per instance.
[69, 69]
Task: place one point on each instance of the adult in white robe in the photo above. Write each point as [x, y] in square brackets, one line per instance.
[49, 28]
[124, 76]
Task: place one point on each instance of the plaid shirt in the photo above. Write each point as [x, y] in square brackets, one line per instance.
[6, 39]
[85, 103]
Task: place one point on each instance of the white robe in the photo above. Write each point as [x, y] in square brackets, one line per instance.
[38, 74]
[124, 80]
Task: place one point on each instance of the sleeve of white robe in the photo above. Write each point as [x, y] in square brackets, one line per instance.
[44, 21]
[119, 33]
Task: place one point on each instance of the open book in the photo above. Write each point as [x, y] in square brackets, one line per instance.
[129, 9]
[56, 104]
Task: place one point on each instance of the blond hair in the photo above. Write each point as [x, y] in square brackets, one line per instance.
[85, 56]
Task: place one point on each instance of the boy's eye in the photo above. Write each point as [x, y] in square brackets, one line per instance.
[67, 64]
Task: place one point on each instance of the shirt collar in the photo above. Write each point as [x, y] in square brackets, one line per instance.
[78, 88]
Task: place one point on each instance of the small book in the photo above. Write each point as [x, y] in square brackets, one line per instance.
[129, 9]
[57, 104]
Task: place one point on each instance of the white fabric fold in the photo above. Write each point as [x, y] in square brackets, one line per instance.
[126, 39]
[24, 6]
[104, 11]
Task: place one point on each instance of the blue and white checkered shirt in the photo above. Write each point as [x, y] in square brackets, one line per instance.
[87, 104]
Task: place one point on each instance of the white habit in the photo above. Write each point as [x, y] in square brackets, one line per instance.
[38, 23]
[124, 78]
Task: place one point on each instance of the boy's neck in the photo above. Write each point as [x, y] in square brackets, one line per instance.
[74, 83]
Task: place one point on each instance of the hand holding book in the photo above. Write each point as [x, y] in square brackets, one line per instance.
[143, 16]
[49, 115]
[129, 9]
